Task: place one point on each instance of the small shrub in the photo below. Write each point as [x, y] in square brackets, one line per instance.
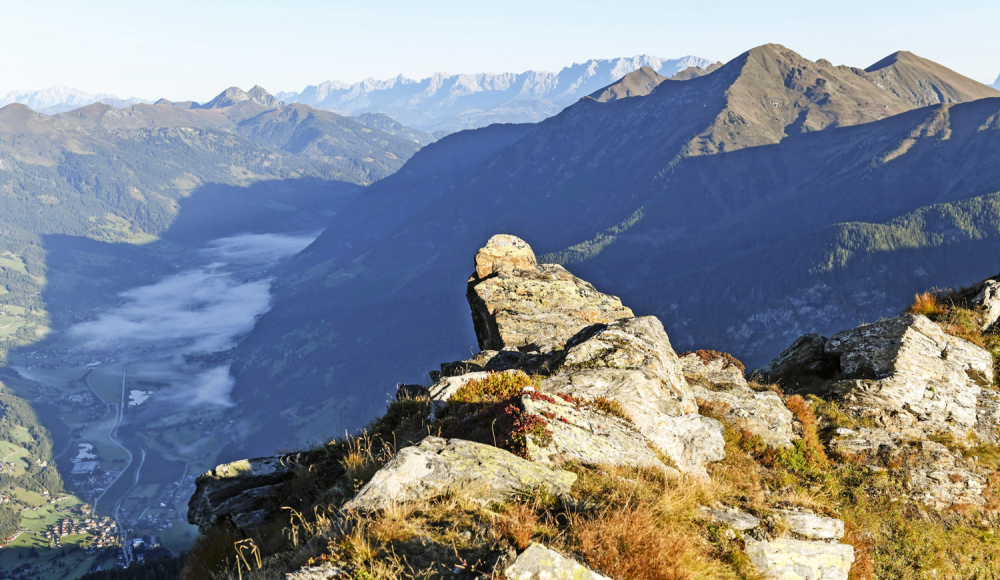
[810, 447]
[629, 543]
[927, 304]
[495, 387]
[609, 407]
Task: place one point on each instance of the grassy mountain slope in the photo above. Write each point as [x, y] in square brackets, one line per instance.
[635, 84]
[662, 199]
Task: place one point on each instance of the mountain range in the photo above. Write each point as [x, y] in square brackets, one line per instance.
[59, 99]
[448, 103]
[771, 197]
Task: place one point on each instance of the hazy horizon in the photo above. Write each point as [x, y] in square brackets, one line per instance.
[152, 51]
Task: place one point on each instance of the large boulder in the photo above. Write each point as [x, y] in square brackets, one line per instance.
[578, 431]
[805, 359]
[241, 492]
[631, 362]
[723, 387]
[906, 373]
[436, 467]
[541, 563]
[788, 559]
[517, 302]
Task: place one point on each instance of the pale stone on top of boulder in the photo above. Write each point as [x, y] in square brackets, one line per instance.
[541, 563]
[762, 413]
[436, 467]
[519, 303]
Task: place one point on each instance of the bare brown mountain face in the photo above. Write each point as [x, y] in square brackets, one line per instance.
[772, 197]
[635, 84]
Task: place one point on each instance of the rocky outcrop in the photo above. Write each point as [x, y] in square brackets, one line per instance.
[811, 551]
[516, 302]
[435, 467]
[541, 563]
[906, 373]
[241, 492]
[724, 388]
[788, 559]
[805, 359]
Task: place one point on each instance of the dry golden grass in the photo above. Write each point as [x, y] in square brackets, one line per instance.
[927, 304]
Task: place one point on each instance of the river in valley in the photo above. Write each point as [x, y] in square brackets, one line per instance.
[143, 385]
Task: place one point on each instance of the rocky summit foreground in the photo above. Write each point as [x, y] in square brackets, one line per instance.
[578, 444]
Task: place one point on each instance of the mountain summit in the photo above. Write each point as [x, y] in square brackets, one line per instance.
[234, 95]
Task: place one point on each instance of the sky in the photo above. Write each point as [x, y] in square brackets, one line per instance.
[185, 49]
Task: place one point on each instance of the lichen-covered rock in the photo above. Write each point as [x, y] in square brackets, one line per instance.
[939, 479]
[580, 433]
[532, 307]
[690, 440]
[735, 519]
[811, 526]
[762, 413]
[911, 376]
[717, 372]
[906, 373]
[632, 344]
[988, 416]
[324, 571]
[241, 492]
[436, 467]
[787, 559]
[541, 563]
[988, 301]
[934, 475]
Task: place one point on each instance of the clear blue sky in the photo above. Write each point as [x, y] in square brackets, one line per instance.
[188, 49]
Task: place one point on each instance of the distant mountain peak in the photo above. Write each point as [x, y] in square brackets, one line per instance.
[996, 84]
[235, 95]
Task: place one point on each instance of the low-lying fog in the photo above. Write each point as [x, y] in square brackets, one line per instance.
[203, 310]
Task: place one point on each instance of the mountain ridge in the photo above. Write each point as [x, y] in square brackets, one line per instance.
[459, 101]
[672, 183]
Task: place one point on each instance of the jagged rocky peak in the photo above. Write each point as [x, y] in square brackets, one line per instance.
[235, 95]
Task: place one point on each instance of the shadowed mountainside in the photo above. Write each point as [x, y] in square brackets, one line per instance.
[717, 199]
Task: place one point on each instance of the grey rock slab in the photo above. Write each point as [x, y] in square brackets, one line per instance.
[762, 413]
[812, 526]
[437, 467]
[988, 300]
[325, 571]
[987, 427]
[715, 373]
[541, 563]
[735, 519]
[787, 559]
[241, 492]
